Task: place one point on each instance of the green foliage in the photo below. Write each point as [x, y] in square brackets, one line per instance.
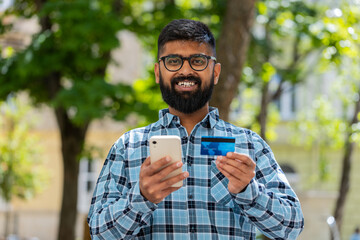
[91, 153]
[147, 91]
[338, 31]
[319, 128]
[327, 123]
[267, 72]
[21, 173]
[293, 35]
[281, 43]
[292, 39]
[281, 39]
[75, 48]
[147, 18]
[319, 125]
[248, 109]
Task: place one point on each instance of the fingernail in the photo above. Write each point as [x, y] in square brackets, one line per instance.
[186, 174]
[168, 159]
[179, 164]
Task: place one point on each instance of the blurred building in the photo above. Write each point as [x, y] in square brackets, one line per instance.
[39, 217]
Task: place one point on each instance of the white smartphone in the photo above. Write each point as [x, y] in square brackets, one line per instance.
[167, 145]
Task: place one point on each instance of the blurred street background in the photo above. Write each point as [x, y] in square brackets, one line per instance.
[76, 74]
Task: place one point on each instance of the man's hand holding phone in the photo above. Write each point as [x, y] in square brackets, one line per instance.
[153, 186]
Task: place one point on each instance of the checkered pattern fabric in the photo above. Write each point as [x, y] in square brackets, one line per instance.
[203, 208]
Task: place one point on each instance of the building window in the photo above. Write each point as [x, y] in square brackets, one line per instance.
[3, 205]
[88, 174]
[287, 102]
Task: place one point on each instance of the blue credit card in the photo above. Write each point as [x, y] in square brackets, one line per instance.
[211, 145]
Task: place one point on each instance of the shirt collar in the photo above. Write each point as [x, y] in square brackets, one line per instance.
[211, 119]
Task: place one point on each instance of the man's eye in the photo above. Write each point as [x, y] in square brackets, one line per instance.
[198, 61]
[173, 61]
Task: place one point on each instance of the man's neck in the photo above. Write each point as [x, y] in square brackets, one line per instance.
[190, 120]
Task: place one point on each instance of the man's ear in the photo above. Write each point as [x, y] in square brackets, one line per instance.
[217, 70]
[157, 72]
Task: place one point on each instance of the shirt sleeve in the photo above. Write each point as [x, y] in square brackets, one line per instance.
[118, 210]
[269, 201]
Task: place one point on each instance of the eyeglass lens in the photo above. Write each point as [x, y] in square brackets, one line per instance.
[197, 62]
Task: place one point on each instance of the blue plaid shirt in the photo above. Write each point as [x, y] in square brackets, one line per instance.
[203, 208]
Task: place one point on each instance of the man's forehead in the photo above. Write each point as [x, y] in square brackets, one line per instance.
[186, 47]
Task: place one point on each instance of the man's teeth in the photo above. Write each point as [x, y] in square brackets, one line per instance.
[186, 84]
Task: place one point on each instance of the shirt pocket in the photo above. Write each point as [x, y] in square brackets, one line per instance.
[219, 187]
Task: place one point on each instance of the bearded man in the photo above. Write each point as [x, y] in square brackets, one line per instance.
[222, 197]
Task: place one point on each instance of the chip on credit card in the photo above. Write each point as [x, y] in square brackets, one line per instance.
[220, 146]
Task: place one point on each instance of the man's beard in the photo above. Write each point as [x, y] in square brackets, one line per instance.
[186, 102]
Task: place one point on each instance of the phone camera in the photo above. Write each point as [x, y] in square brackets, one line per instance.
[154, 142]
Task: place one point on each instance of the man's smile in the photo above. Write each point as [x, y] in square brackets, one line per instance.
[186, 84]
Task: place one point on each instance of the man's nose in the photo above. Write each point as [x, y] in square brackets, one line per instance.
[186, 68]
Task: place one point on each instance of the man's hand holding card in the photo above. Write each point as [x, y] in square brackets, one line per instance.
[238, 168]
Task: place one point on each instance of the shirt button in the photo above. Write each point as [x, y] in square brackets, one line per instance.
[191, 196]
[192, 229]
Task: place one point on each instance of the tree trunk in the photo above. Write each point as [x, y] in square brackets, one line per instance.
[346, 170]
[72, 142]
[345, 182]
[232, 51]
[72, 139]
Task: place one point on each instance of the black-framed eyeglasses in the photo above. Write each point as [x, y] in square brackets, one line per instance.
[198, 62]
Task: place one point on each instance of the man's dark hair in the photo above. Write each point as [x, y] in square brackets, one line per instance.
[185, 29]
